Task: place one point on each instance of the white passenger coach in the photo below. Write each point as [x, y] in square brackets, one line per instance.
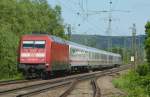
[88, 57]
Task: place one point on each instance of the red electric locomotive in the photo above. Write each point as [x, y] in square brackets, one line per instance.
[41, 54]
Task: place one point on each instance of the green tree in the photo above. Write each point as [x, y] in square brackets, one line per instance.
[117, 50]
[147, 41]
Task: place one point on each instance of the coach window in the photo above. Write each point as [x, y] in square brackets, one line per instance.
[73, 51]
[39, 44]
[28, 44]
[110, 58]
[97, 57]
[94, 55]
[90, 55]
[103, 56]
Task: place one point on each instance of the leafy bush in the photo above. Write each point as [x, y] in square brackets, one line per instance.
[147, 41]
[134, 84]
[142, 70]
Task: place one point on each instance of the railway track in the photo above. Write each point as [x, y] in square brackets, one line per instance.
[71, 87]
[35, 89]
[96, 89]
[2, 83]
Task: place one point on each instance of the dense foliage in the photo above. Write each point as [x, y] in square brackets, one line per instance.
[18, 17]
[147, 41]
[136, 84]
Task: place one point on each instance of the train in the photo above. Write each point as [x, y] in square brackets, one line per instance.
[43, 55]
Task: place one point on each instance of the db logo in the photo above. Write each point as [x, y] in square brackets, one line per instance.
[32, 55]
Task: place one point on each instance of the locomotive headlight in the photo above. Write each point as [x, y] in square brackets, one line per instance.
[40, 55]
[47, 65]
[25, 54]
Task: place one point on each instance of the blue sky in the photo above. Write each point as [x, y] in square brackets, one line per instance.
[97, 24]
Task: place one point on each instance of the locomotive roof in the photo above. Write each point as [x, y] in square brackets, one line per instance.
[54, 38]
[57, 39]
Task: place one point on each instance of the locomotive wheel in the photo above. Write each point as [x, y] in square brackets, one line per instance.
[45, 75]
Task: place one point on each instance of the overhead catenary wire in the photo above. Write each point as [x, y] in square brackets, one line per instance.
[72, 9]
[115, 4]
[90, 25]
[68, 7]
[84, 12]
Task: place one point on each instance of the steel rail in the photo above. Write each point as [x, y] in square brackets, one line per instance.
[30, 86]
[40, 90]
[2, 83]
[67, 92]
[96, 89]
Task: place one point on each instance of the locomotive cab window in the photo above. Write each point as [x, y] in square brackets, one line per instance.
[33, 44]
[39, 44]
[28, 44]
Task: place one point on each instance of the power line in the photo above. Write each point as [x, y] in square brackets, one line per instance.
[85, 12]
[115, 4]
[91, 26]
[110, 19]
[69, 8]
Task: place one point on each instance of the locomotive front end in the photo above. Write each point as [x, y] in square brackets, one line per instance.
[33, 52]
[32, 56]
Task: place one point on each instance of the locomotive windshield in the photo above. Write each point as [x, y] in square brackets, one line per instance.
[28, 44]
[34, 44]
[39, 44]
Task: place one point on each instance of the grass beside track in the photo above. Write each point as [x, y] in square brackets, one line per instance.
[134, 84]
[16, 77]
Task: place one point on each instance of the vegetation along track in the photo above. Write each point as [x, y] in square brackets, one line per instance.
[55, 83]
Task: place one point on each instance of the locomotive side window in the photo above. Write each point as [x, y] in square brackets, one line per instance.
[28, 44]
[39, 44]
